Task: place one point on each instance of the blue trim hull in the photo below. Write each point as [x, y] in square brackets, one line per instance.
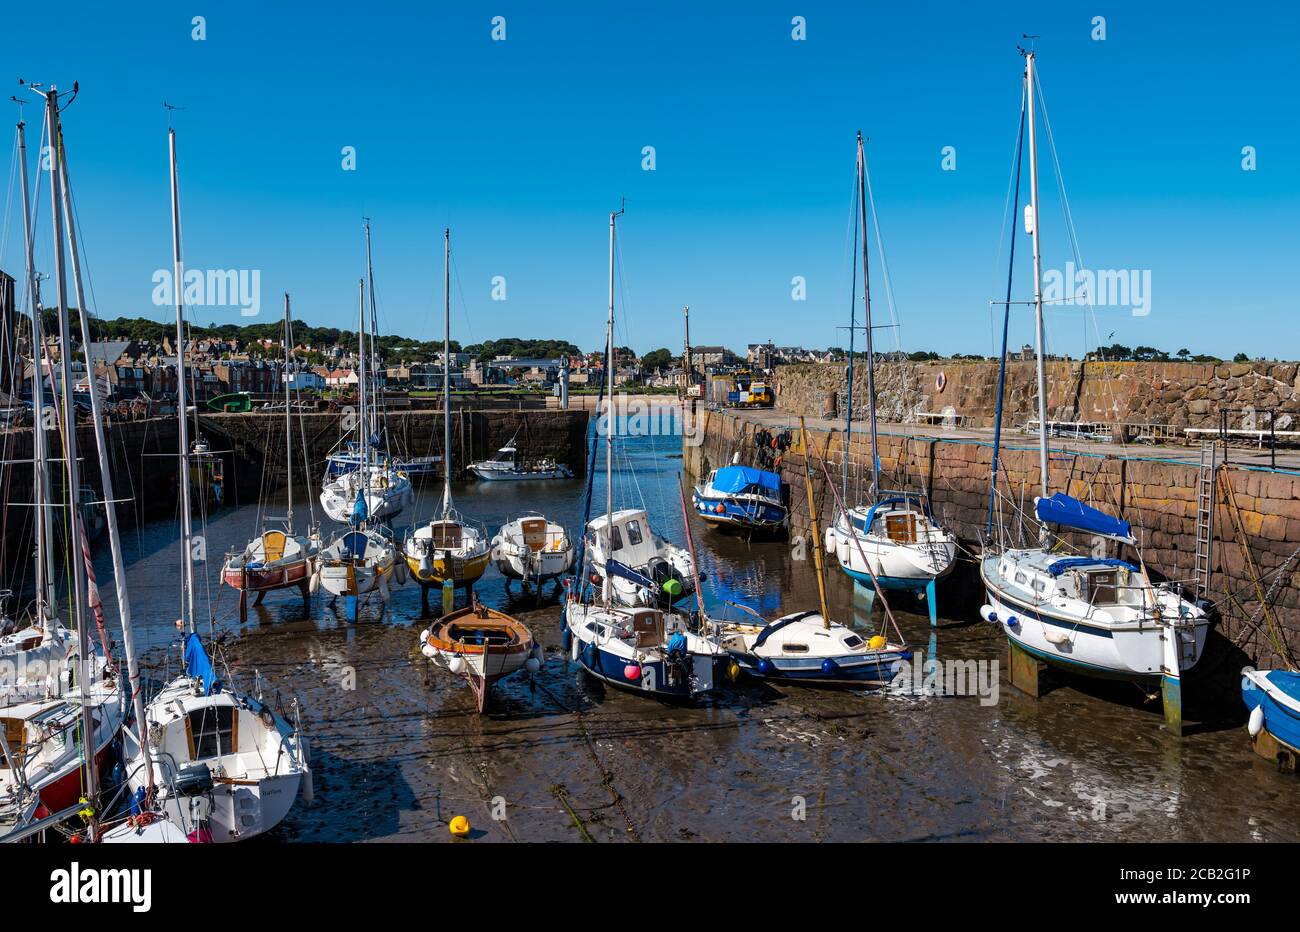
[896, 583]
[738, 514]
[1279, 721]
[608, 668]
[880, 672]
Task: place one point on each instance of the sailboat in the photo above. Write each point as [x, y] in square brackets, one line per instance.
[448, 547]
[275, 559]
[532, 548]
[364, 558]
[206, 752]
[808, 647]
[644, 648]
[1090, 615]
[375, 488]
[53, 746]
[892, 539]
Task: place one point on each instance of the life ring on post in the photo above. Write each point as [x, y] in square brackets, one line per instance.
[940, 381]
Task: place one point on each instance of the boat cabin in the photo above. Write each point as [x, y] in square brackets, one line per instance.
[900, 517]
[1098, 582]
[626, 537]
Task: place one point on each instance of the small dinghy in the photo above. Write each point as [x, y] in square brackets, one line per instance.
[482, 645]
[1273, 697]
[532, 548]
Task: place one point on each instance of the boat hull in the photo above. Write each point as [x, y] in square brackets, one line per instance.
[519, 475]
[874, 671]
[269, 579]
[1264, 690]
[463, 572]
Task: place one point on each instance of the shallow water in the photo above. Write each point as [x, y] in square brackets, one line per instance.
[403, 750]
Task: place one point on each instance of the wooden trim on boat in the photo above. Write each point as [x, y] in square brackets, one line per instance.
[485, 618]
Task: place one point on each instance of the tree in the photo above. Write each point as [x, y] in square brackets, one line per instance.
[657, 359]
[1183, 353]
[1241, 357]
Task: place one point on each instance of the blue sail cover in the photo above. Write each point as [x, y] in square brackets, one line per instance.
[734, 479]
[1070, 512]
[198, 665]
[614, 568]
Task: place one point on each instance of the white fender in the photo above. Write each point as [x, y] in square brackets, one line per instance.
[399, 571]
[307, 790]
[989, 614]
[531, 665]
[456, 664]
[1256, 723]
[830, 540]
[427, 649]
[314, 583]
[1056, 635]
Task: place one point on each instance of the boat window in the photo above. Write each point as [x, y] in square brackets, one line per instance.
[901, 528]
[852, 641]
[1039, 585]
[14, 732]
[634, 532]
[212, 731]
[615, 539]
[795, 648]
[1021, 578]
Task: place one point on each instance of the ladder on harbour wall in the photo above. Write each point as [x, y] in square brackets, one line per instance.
[1205, 499]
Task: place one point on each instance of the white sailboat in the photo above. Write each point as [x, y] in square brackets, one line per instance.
[644, 648]
[449, 547]
[1094, 616]
[376, 490]
[364, 558]
[892, 537]
[532, 548]
[209, 757]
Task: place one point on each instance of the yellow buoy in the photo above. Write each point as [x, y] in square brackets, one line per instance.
[733, 671]
[459, 826]
[877, 642]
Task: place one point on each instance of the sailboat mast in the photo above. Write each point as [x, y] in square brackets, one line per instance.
[105, 473]
[1039, 341]
[446, 371]
[288, 424]
[816, 530]
[866, 301]
[76, 566]
[41, 467]
[374, 318]
[363, 424]
[178, 277]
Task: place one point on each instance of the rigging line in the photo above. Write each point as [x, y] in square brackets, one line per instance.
[1007, 218]
[880, 248]
[460, 292]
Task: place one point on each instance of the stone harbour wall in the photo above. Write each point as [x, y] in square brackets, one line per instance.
[1173, 393]
[1157, 496]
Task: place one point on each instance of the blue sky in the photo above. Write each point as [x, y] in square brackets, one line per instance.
[523, 146]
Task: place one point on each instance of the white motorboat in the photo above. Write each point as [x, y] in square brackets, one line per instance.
[507, 467]
[643, 568]
[532, 548]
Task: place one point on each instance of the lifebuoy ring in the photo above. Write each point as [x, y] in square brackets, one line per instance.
[940, 381]
[267, 718]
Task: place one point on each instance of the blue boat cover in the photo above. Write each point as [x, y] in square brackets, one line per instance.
[1070, 512]
[1070, 563]
[734, 479]
[359, 510]
[198, 665]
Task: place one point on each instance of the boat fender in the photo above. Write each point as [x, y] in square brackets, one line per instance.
[459, 826]
[428, 651]
[566, 637]
[632, 671]
[314, 583]
[1056, 637]
[766, 667]
[830, 667]
[1256, 723]
[733, 671]
[830, 540]
[1013, 622]
[308, 790]
[877, 642]
[424, 636]
[532, 665]
[988, 614]
[456, 664]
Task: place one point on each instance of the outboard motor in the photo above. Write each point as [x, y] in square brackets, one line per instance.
[668, 580]
[193, 780]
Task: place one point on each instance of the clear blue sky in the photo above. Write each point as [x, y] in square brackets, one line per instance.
[523, 146]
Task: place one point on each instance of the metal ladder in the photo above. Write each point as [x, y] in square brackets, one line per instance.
[1205, 500]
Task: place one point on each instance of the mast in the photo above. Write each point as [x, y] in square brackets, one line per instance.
[609, 407]
[1038, 274]
[686, 356]
[76, 567]
[374, 318]
[816, 530]
[41, 467]
[446, 371]
[1006, 326]
[288, 425]
[363, 426]
[105, 477]
[866, 300]
[178, 276]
